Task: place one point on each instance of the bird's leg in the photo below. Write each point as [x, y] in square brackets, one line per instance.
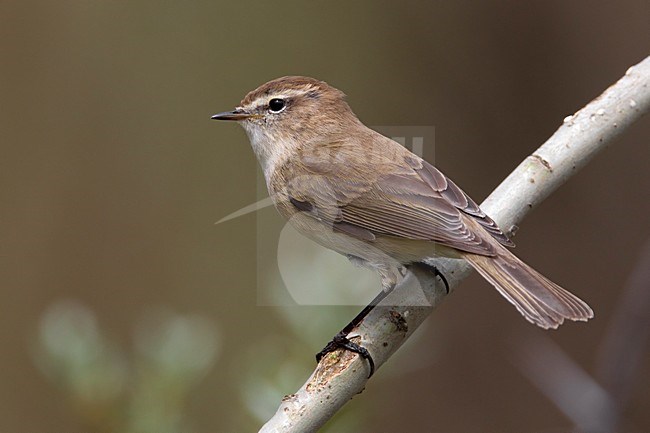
[436, 273]
[341, 341]
[389, 282]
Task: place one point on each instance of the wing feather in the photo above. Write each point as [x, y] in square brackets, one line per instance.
[403, 196]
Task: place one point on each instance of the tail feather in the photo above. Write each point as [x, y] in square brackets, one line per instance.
[538, 299]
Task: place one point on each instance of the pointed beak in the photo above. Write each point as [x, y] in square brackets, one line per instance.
[237, 114]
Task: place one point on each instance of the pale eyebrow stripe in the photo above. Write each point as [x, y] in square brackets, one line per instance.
[288, 93]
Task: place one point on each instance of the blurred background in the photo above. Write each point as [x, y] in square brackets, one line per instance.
[125, 308]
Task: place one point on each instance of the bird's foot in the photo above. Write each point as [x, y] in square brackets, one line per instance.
[341, 341]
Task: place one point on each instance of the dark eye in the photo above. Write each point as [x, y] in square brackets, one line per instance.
[276, 105]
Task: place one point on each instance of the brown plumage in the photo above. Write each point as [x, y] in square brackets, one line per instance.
[368, 197]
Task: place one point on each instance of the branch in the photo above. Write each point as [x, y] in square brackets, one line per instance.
[341, 375]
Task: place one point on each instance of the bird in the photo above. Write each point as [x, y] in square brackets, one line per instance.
[368, 197]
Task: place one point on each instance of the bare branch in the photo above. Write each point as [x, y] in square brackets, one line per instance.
[574, 391]
[342, 375]
[626, 341]
[595, 404]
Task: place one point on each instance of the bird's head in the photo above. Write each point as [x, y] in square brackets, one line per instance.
[286, 113]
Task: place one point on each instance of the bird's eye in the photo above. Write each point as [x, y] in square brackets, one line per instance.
[276, 105]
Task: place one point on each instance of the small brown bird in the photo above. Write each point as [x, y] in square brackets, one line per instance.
[366, 196]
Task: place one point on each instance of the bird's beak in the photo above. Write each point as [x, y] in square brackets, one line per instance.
[236, 114]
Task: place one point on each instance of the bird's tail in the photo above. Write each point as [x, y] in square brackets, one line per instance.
[540, 300]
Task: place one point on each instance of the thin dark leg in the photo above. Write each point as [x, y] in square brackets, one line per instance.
[436, 273]
[341, 341]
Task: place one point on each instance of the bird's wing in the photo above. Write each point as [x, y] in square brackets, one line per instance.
[405, 197]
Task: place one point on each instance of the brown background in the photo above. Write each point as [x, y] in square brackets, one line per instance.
[112, 175]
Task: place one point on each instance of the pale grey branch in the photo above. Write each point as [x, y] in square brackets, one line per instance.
[342, 375]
